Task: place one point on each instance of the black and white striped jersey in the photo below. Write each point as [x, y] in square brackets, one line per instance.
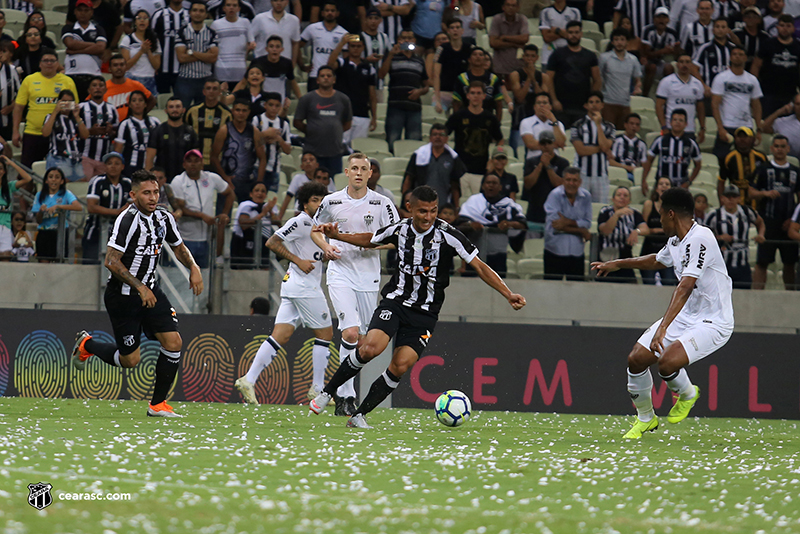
[625, 225]
[167, 24]
[134, 134]
[140, 237]
[736, 225]
[694, 35]
[713, 58]
[64, 137]
[585, 130]
[108, 195]
[640, 12]
[21, 5]
[751, 43]
[674, 155]
[197, 41]
[781, 178]
[9, 87]
[656, 41]
[102, 114]
[424, 261]
[629, 151]
[393, 24]
[274, 151]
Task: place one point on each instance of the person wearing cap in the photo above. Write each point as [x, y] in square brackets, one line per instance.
[497, 167]
[776, 189]
[373, 184]
[277, 21]
[735, 101]
[778, 60]
[642, 13]
[195, 191]
[86, 44]
[731, 224]
[741, 165]
[736, 18]
[172, 137]
[102, 120]
[750, 34]
[542, 174]
[108, 196]
[658, 40]
[618, 68]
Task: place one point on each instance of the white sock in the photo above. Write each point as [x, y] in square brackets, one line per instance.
[347, 389]
[116, 359]
[319, 357]
[640, 387]
[266, 352]
[679, 383]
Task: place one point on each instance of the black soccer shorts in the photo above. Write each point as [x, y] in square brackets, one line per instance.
[129, 318]
[408, 326]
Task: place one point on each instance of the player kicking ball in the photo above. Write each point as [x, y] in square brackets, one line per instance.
[134, 301]
[412, 298]
[699, 318]
[302, 299]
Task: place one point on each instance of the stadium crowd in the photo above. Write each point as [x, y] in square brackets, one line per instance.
[548, 140]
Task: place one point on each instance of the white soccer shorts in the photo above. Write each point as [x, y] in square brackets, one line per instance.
[312, 312]
[6, 239]
[353, 308]
[698, 340]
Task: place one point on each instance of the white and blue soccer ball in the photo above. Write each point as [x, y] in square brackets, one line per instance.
[452, 408]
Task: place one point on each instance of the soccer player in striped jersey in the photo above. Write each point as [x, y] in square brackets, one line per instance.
[412, 299]
[134, 301]
[302, 299]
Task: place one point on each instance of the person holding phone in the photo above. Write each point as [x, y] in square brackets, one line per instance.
[64, 127]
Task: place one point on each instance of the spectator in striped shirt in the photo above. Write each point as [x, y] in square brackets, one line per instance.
[24, 5]
[9, 87]
[65, 127]
[698, 32]
[197, 50]
[167, 23]
[675, 150]
[750, 35]
[108, 196]
[713, 57]
[592, 138]
[658, 40]
[275, 132]
[134, 133]
[102, 120]
[628, 150]
[620, 227]
[642, 13]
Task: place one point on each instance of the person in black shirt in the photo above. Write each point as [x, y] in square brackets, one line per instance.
[542, 174]
[351, 13]
[776, 187]
[107, 15]
[409, 310]
[250, 89]
[474, 130]
[107, 197]
[169, 138]
[478, 70]
[778, 62]
[450, 60]
[750, 34]
[356, 78]
[525, 84]
[277, 71]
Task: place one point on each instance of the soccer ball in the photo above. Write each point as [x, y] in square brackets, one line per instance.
[452, 408]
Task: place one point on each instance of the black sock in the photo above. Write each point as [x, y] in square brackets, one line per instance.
[166, 369]
[380, 389]
[104, 351]
[349, 368]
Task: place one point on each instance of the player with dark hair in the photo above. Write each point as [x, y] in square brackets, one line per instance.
[134, 301]
[412, 298]
[698, 321]
[302, 299]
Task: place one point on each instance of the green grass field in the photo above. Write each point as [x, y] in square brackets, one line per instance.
[233, 468]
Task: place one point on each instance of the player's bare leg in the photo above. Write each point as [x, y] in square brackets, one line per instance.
[280, 335]
[672, 368]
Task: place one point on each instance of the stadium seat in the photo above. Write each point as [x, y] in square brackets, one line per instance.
[14, 16]
[162, 100]
[597, 37]
[533, 248]
[369, 145]
[430, 116]
[39, 167]
[568, 153]
[406, 147]
[637, 197]
[533, 26]
[537, 40]
[381, 109]
[642, 103]
[517, 169]
[650, 137]
[589, 44]
[604, 43]
[297, 155]
[394, 165]
[303, 87]
[392, 182]
[596, 207]
[608, 27]
[79, 189]
[618, 176]
[160, 114]
[380, 130]
[649, 121]
[530, 268]
[590, 26]
[53, 18]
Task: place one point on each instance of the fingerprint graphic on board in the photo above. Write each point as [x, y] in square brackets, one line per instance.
[141, 379]
[303, 369]
[4, 367]
[273, 383]
[98, 380]
[207, 370]
[40, 365]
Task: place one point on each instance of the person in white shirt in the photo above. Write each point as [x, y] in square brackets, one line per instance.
[698, 321]
[682, 90]
[142, 52]
[277, 21]
[195, 191]
[235, 41]
[553, 26]
[302, 300]
[323, 37]
[735, 101]
[354, 273]
[541, 120]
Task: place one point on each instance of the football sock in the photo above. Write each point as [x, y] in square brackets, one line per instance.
[107, 352]
[268, 349]
[640, 386]
[166, 369]
[347, 370]
[380, 389]
[679, 383]
[319, 357]
[347, 389]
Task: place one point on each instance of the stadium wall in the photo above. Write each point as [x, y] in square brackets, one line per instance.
[567, 369]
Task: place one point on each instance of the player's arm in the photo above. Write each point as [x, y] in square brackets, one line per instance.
[275, 244]
[330, 252]
[331, 230]
[647, 263]
[184, 256]
[493, 280]
[114, 264]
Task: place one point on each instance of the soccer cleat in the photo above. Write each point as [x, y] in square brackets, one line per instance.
[161, 409]
[358, 421]
[246, 390]
[640, 427]
[79, 353]
[681, 409]
[318, 403]
[313, 392]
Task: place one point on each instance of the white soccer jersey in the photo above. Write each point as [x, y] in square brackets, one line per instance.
[551, 18]
[737, 92]
[296, 236]
[358, 268]
[322, 43]
[681, 95]
[698, 255]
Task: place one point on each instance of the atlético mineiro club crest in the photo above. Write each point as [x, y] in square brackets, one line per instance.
[39, 496]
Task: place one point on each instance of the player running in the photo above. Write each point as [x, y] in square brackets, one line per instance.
[302, 299]
[412, 298]
[354, 275]
[698, 321]
[134, 301]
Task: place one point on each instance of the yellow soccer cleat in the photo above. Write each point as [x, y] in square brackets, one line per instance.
[680, 411]
[640, 427]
